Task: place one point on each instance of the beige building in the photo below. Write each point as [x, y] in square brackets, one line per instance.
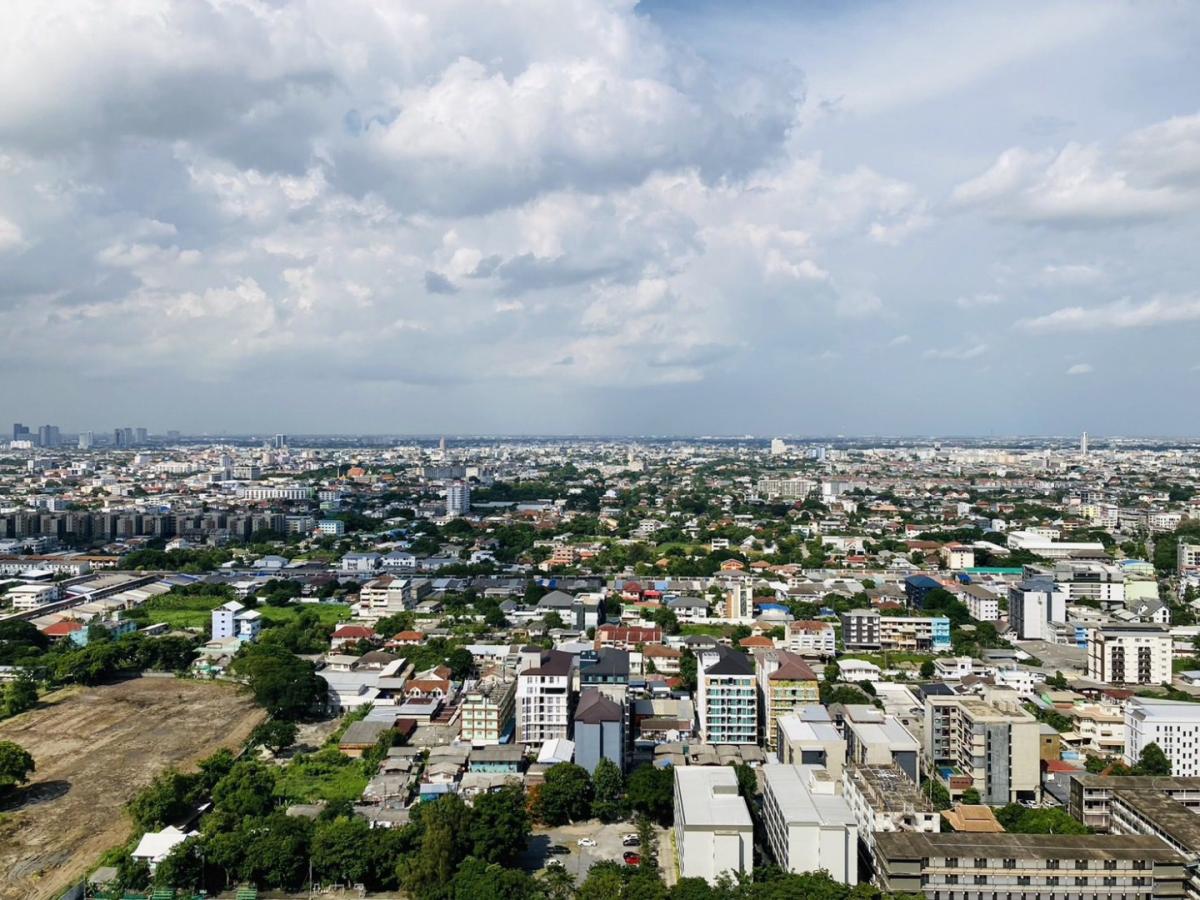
[487, 711]
[785, 682]
[992, 747]
[1130, 654]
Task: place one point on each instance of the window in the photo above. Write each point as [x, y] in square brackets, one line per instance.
[1052, 863]
[1081, 864]
[1010, 863]
[980, 862]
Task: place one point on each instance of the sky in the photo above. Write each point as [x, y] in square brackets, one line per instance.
[600, 216]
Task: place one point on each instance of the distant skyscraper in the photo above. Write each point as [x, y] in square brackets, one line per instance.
[48, 435]
[778, 447]
[86, 440]
[1083, 444]
[141, 436]
[120, 441]
[442, 444]
[280, 441]
[458, 498]
[20, 432]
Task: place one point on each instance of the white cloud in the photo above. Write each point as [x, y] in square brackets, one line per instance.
[972, 351]
[1121, 314]
[900, 340]
[1080, 369]
[1070, 274]
[974, 301]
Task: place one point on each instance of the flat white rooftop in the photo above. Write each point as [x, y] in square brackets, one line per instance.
[709, 798]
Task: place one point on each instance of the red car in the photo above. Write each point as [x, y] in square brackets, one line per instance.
[632, 859]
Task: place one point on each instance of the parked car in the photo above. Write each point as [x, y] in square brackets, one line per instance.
[586, 842]
[559, 849]
[631, 858]
[631, 841]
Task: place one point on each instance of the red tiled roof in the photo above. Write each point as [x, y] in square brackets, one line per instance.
[62, 629]
[354, 631]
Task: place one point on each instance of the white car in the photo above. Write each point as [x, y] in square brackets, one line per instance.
[586, 842]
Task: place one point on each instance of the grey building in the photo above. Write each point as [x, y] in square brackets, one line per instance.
[599, 730]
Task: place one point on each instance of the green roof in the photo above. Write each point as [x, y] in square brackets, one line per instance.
[994, 570]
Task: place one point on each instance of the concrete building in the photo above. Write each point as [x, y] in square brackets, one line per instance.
[599, 730]
[974, 866]
[1173, 725]
[1097, 581]
[1130, 654]
[983, 605]
[876, 738]
[384, 596]
[808, 737]
[866, 629]
[992, 747]
[713, 831]
[785, 681]
[232, 619]
[1034, 606]
[884, 799]
[860, 629]
[808, 825]
[488, 709]
[726, 697]
[1188, 562]
[544, 698]
[810, 638]
[458, 498]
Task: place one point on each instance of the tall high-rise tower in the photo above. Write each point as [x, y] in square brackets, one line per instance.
[1083, 444]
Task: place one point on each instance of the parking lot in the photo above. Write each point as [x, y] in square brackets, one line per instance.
[580, 859]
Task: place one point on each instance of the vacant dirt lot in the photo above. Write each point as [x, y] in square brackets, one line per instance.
[94, 749]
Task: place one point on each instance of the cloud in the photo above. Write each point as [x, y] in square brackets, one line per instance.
[437, 283]
[972, 351]
[1121, 314]
[974, 301]
[900, 340]
[1070, 274]
[1152, 174]
[1080, 369]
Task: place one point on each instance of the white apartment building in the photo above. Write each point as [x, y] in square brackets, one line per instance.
[458, 498]
[809, 638]
[1130, 654]
[726, 697]
[384, 596]
[714, 834]
[26, 597]
[809, 826]
[884, 799]
[983, 605]
[234, 620]
[1189, 558]
[488, 707]
[332, 527]
[1033, 606]
[275, 493]
[784, 488]
[1091, 581]
[543, 699]
[1173, 725]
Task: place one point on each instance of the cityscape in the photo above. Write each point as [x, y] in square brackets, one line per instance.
[599, 450]
[599, 666]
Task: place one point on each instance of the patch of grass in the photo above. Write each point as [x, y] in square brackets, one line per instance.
[196, 612]
[325, 775]
[717, 631]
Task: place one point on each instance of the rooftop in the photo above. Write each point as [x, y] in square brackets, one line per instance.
[914, 845]
[709, 798]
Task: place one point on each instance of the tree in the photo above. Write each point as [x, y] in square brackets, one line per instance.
[651, 791]
[566, 795]
[248, 790]
[833, 672]
[1152, 761]
[19, 695]
[1057, 681]
[687, 670]
[275, 850]
[285, 685]
[927, 669]
[609, 791]
[15, 765]
[337, 850]
[970, 797]
[747, 781]
[275, 735]
[553, 619]
[461, 663]
[666, 619]
[183, 867]
[605, 881]
[500, 825]
[162, 802]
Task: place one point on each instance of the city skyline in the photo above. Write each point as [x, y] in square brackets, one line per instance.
[601, 217]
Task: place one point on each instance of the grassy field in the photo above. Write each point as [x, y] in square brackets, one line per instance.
[196, 612]
[716, 631]
[325, 775]
[95, 748]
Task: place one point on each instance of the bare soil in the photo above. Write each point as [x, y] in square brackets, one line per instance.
[94, 749]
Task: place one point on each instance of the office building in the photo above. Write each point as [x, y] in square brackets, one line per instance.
[1130, 654]
[48, 436]
[785, 682]
[992, 747]
[488, 708]
[726, 697]
[331, 527]
[20, 432]
[280, 442]
[141, 437]
[1171, 724]
[1092, 581]
[1034, 607]
[789, 489]
[714, 835]
[87, 440]
[808, 825]
[544, 698]
[977, 866]
[778, 447]
[866, 629]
